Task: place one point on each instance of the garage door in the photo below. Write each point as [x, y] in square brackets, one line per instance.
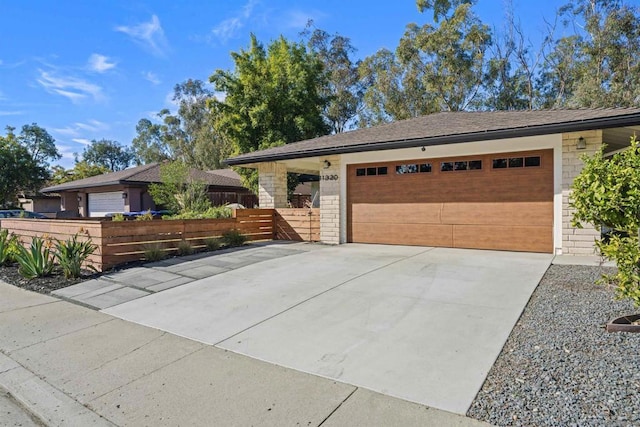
[101, 204]
[502, 201]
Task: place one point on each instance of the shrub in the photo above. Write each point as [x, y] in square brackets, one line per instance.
[117, 217]
[210, 213]
[37, 261]
[8, 248]
[154, 252]
[71, 254]
[185, 248]
[233, 238]
[212, 243]
[147, 216]
[607, 193]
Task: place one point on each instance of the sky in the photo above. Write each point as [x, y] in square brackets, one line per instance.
[88, 70]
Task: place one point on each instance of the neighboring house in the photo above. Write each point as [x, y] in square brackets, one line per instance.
[127, 190]
[44, 203]
[487, 180]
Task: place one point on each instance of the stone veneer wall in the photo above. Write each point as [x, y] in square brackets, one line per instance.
[330, 202]
[576, 241]
[272, 182]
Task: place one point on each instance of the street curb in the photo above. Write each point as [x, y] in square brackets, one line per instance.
[42, 400]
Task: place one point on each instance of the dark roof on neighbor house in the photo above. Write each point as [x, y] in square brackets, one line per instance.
[448, 128]
[147, 174]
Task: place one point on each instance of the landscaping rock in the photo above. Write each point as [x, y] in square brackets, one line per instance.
[559, 366]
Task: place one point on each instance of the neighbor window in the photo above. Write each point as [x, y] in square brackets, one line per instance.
[372, 171]
[360, 172]
[515, 162]
[382, 170]
[425, 167]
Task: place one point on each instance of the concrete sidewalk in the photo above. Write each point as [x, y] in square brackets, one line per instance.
[70, 365]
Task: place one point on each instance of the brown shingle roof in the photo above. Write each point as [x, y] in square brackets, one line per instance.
[447, 128]
[145, 174]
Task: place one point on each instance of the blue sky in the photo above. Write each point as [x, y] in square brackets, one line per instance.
[91, 69]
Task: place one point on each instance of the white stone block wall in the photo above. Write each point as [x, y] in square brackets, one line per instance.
[576, 241]
[272, 182]
[330, 201]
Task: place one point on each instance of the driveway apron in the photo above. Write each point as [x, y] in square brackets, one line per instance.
[421, 324]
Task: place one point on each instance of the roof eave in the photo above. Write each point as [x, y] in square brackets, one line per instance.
[589, 124]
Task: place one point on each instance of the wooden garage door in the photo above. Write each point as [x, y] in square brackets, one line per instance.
[501, 201]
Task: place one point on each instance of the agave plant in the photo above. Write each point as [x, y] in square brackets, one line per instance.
[37, 260]
[72, 254]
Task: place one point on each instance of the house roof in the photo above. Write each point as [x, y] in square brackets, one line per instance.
[448, 128]
[145, 174]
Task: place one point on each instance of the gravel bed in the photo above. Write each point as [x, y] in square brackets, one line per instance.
[559, 366]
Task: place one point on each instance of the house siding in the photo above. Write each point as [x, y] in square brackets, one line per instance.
[576, 241]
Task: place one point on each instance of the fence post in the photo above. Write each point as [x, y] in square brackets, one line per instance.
[274, 220]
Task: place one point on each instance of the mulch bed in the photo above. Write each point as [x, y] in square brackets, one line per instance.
[43, 285]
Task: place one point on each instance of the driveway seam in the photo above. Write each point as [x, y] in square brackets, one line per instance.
[338, 407]
[30, 306]
[321, 293]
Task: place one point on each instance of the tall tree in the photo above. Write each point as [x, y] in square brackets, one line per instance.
[393, 90]
[434, 68]
[110, 154]
[272, 98]
[40, 145]
[20, 168]
[189, 135]
[599, 66]
[344, 90]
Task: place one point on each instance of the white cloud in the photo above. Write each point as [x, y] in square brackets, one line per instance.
[76, 130]
[100, 63]
[83, 141]
[149, 35]
[92, 125]
[73, 88]
[11, 113]
[151, 77]
[229, 28]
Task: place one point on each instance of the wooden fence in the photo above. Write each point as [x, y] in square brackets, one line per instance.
[298, 224]
[120, 242]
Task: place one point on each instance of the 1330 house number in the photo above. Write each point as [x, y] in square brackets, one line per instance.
[329, 177]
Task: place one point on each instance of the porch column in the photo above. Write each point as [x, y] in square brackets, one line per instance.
[272, 182]
[330, 200]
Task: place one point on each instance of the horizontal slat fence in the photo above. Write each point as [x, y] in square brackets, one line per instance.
[120, 242]
[298, 224]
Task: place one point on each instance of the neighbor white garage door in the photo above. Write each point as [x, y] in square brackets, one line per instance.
[101, 204]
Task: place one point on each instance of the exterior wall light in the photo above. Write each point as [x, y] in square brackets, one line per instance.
[79, 198]
[581, 144]
[327, 164]
[124, 195]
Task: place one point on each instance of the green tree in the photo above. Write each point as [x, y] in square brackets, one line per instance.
[189, 135]
[24, 161]
[40, 145]
[15, 164]
[80, 170]
[273, 97]
[599, 66]
[109, 154]
[179, 191]
[344, 89]
[607, 194]
[434, 68]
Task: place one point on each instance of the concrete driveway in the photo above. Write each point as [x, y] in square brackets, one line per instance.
[421, 324]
